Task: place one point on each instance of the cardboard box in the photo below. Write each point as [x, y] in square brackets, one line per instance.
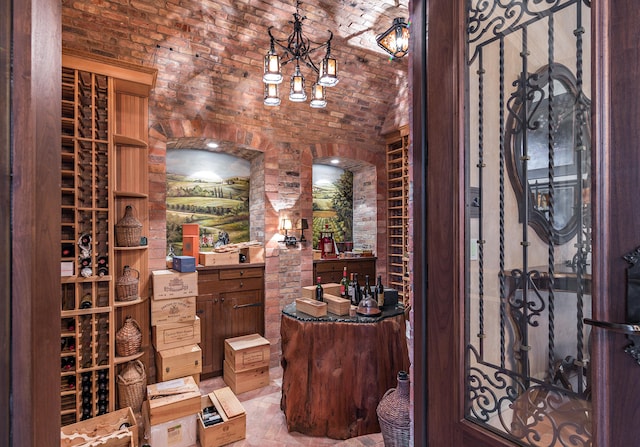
[103, 430]
[209, 258]
[330, 288]
[174, 335]
[180, 432]
[311, 307]
[254, 254]
[173, 310]
[242, 381]
[178, 362]
[184, 264]
[169, 284]
[66, 268]
[337, 305]
[191, 246]
[234, 419]
[190, 230]
[172, 399]
[247, 352]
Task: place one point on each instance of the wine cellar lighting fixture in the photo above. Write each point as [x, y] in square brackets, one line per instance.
[395, 40]
[297, 49]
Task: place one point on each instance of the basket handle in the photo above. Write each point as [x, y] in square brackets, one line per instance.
[389, 391]
[139, 366]
[134, 322]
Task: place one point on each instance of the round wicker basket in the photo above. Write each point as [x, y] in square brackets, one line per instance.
[128, 338]
[127, 284]
[132, 384]
[128, 229]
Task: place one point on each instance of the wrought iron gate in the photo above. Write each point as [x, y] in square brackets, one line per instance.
[528, 225]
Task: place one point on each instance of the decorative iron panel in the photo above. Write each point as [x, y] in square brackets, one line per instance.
[528, 225]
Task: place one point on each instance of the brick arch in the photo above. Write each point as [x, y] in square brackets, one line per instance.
[230, 133]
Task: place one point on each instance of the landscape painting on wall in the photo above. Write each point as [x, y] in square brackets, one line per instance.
[332, 202]
[210, 189]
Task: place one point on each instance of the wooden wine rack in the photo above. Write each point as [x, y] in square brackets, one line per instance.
[95, 101]
[398, 213]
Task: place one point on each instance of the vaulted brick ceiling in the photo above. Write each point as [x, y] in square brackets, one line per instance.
[209, 59]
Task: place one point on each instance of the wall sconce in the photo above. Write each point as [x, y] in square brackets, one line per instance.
[304, 225]
[289, 241]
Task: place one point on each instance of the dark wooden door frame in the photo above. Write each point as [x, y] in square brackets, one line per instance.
[438, 186]
[5, 235]
[31, 296]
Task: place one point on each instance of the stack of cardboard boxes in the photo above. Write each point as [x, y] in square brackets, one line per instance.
[176, 415]
[175, 326]
[246, 362]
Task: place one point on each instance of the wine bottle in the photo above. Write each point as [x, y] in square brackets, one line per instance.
[356, 290]
[350, 288]
[367, 288]
[380, 292]
[344, 283]
[319, 289]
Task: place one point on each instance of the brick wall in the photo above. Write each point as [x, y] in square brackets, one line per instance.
[209, 60]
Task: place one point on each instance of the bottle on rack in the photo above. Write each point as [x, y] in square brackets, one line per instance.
[380, 292]
[344, 284]
[319, 289]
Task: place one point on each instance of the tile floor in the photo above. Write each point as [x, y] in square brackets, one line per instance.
[266, 425]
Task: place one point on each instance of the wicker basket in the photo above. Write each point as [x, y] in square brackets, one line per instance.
[128, 338]
[127, 284]
[393, 414]
[132, 385]
[128, 229]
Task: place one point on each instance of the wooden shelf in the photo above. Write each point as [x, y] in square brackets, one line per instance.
[129, 141]
[129, 303]
[120, 360]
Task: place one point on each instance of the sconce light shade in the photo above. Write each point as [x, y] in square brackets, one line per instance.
[286, 224]
[304, 224]
[289, 241]
[395, 40]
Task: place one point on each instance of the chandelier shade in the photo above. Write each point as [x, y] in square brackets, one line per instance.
[318, 99]
[298, 48]
[271, 97]
[395, 40]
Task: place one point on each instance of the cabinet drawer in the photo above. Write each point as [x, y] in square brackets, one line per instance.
[240, 273]
[230, 285]
[328, 267]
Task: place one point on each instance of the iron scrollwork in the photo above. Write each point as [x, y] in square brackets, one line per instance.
[547, 110]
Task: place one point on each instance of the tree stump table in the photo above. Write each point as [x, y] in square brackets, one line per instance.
[336, 370]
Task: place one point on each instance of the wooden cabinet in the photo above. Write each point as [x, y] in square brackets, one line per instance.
[331, 270]
[90, 261]
[398, 213]
[230, 303]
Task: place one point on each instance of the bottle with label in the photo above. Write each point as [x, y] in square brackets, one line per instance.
[380, 292]
[355, 297]
[319, 289]
[344, 284]
[350, 288]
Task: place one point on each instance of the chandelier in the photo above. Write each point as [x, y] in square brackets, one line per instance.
[297, 48]
[395, 40]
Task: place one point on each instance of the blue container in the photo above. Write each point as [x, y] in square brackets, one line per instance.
[184, 264]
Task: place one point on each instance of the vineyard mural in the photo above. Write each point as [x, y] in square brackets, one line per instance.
[210, 189]
[332, 202]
